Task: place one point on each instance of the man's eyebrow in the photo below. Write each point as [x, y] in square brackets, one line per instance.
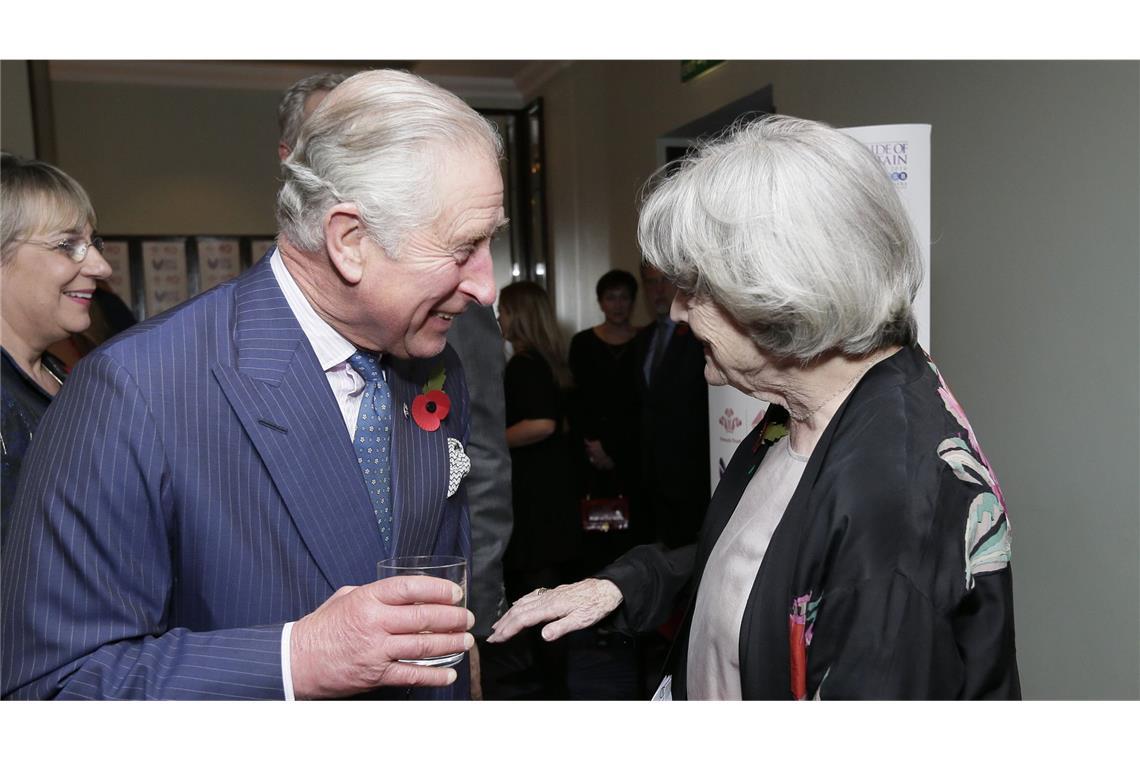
[486, 233]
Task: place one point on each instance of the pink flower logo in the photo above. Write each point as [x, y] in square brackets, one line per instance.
[729, 421]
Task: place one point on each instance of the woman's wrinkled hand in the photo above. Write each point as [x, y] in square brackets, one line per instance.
[572, 607]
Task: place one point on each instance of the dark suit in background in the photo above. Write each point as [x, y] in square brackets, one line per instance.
[674, 437]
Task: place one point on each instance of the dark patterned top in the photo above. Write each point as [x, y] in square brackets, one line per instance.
[888, 576]
[22, 404]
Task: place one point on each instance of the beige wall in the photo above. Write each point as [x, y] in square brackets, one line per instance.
[1035, 300]
[163, 159]
[171, 160]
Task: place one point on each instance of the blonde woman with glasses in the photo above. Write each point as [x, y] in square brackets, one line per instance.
[50, 263]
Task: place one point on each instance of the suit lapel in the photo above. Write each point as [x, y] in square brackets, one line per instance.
[283, 400]
[419, 462]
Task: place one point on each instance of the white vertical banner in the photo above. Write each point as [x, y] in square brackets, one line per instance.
[904, 151]
[732, 415]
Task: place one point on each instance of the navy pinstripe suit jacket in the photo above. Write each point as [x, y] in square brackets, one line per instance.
[190, 490]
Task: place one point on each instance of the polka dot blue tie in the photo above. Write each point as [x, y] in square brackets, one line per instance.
[373, 439]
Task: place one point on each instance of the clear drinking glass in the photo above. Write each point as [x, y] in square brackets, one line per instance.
[449, 568]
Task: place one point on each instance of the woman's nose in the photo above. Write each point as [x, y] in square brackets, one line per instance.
[679, 309]
[95, 266]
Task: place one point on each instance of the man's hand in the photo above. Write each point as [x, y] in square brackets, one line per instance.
[572, 607]
[352, 642]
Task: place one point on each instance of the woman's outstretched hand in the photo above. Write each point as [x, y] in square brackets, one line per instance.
[571, 607]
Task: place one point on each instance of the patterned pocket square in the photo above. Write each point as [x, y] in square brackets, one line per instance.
[460, 465]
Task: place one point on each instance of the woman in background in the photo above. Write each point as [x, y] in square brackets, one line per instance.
[544, 540]
[602, 366]
[605, 414]
[50, 262]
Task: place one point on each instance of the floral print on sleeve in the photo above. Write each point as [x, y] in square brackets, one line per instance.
[987, 534]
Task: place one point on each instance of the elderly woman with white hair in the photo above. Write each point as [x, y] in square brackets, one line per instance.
[857, 545]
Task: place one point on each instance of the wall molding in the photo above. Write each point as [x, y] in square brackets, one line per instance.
[230, 75]
[486, 92]
[537, 74]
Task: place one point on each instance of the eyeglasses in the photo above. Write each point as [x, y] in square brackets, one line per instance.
[75, 248]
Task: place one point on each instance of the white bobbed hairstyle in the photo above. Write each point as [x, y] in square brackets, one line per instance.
[380, 141]
[793, 228]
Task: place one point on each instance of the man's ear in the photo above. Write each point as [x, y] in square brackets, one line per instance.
[283, 151]
[344, 238]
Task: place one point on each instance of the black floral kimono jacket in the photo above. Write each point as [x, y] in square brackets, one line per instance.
[888, 576]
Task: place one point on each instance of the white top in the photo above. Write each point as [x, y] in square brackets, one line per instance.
[713, 666]
[333, 352]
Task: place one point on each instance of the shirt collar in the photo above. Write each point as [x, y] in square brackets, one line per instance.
[331, 348]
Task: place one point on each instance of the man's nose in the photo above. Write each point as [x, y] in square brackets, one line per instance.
[479, 277]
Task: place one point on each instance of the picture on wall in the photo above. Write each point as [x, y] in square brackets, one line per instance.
[219, 259]
[258, 247]
[164, 274]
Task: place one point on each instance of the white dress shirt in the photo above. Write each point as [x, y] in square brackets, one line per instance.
[333, 352]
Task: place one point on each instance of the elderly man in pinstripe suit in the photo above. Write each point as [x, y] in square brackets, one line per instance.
[193, 520]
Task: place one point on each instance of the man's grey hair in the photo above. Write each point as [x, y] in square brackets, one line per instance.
[291, 109]
[795, 229]
[379, 141]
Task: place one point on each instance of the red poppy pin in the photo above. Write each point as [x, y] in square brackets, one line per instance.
[430, 408]
[682, 328]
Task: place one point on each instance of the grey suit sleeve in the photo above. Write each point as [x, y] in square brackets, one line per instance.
[475, 336]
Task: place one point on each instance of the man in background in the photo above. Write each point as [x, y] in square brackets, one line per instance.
[674, 419]
[476, 337]
[674, 497]
[298, 103]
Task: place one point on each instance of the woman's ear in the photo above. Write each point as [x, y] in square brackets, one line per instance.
[345, 237]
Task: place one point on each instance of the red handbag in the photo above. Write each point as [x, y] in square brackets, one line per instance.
[605, 513]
